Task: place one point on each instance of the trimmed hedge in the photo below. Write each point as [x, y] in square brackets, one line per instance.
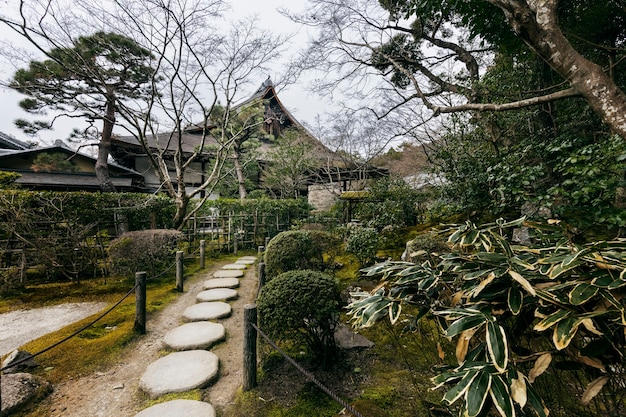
[301, 307]
[297, 249]
[144, 250]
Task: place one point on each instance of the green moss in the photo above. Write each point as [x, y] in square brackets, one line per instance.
[195, 395]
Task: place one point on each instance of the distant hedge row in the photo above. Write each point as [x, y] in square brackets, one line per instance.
[140, 211]
[286, 209]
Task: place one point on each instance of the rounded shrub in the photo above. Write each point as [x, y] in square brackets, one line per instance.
[363, 242]
[301, 307]
[143, 250]
[297, 249]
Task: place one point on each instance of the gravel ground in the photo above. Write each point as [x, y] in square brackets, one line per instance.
[21, 326]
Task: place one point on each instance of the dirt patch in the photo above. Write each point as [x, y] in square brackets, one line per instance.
[114, 392]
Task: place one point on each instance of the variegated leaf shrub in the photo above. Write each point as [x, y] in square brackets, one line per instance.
[514, 311]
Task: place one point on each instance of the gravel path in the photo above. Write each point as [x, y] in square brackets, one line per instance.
[114, 392]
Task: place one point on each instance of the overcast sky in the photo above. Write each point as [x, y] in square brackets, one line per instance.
[301, 104]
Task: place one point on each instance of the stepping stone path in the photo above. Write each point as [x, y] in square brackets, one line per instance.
[228, 273]
[207, 311]
[235, 266]
[191, 366]
[216, 294]
[220, 283]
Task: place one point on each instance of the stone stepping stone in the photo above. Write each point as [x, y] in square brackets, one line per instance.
[207, 311]
[179, 372]
[197, 335]
[220, 283]
[234, 266]
[245, 261]
[249, 257]
[228, 273]
[179, 408]
[216, 294]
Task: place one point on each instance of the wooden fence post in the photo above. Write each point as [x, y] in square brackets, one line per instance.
[261, 275]
[202, 245]
[249, 346]
[179, 271]
[140, 302]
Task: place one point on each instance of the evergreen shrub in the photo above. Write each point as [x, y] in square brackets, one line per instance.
[297, 249]
[144, 250]
[301, 307]
[363, 243]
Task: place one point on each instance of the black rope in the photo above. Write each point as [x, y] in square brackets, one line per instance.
[310, 376]
[73, 334]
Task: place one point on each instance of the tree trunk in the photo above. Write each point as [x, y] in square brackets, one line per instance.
[104, 148]
[537, 24]
[182, 202]
[241, 180]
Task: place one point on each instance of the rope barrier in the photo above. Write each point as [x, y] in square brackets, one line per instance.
[309, 376]
[73, 334]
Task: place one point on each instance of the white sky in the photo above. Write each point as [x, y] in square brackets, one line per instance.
[299, 102]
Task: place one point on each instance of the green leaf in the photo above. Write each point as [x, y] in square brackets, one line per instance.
[535, 402]
[394, 312]
[551, 320]
[477, 394]
[464, 323]
[582, 293]
[523, 282]
[460, 389]
[515, 299]
[501, 397]
[564, 332]
[497, 346]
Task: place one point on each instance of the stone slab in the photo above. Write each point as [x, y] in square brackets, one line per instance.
[216, 294]
[220, 283]
[249, 257]
[245, 261]
[234, 266]
[228, 273]
[196, 335]
[179, 408]
[179, 372]
[207, 311]
[21, 390]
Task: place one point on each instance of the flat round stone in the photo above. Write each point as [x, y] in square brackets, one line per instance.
[197, 335]
[228, 273]
[216, 294]
[179, 408]
[245, 261]
[234, 266]
[220, 283]
[179, 372]
[207, 311]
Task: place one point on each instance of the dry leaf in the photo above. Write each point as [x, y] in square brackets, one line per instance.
[518, 390]
[588, 323]
[440, 351]
[541, 364]
[593, 362]
[463, 344]
[593, 389]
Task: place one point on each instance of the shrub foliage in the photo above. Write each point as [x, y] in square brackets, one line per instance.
[363, 243]
[143, 250]
[296, 249]
[521, 314]
[301, 307]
